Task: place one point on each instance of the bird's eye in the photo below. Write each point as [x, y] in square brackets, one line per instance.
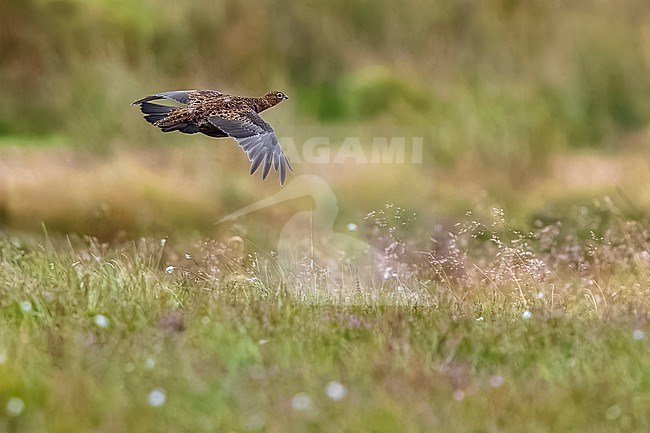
[279, 95]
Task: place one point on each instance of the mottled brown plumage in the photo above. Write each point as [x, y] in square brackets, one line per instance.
[218, 115]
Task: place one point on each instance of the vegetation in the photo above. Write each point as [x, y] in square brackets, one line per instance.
[493, 330]
[501, 92]
[504, 290]
[505, 78]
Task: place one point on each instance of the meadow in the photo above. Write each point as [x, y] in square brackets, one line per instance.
[490, 329]
[495, 282]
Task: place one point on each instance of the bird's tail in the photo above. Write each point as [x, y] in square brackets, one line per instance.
[167, 118]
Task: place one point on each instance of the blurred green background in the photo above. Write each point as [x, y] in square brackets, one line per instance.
[532, 106]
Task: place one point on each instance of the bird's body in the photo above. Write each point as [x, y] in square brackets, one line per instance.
[217, 114]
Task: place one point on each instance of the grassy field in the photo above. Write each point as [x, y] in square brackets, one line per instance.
[497, 284]
[487, 329]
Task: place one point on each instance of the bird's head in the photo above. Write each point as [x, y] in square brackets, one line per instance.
[275, 97]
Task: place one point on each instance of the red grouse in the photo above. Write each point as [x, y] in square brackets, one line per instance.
[218, 115]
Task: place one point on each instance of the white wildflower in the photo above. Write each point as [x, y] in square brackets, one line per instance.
[335, 390]
[301, 401]
[15, 406]
[101, 321]
[157, 397]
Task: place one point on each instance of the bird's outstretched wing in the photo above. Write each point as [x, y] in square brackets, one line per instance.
[258, 140]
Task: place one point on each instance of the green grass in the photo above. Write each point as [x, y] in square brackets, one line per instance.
[91, 333]
[534, 325]
[506, 82]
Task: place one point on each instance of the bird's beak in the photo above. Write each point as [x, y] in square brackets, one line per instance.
[286, 97]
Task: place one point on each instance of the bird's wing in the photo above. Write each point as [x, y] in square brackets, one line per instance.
[257, 139]
[181, 96]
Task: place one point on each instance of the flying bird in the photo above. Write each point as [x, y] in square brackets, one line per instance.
[217, 114]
